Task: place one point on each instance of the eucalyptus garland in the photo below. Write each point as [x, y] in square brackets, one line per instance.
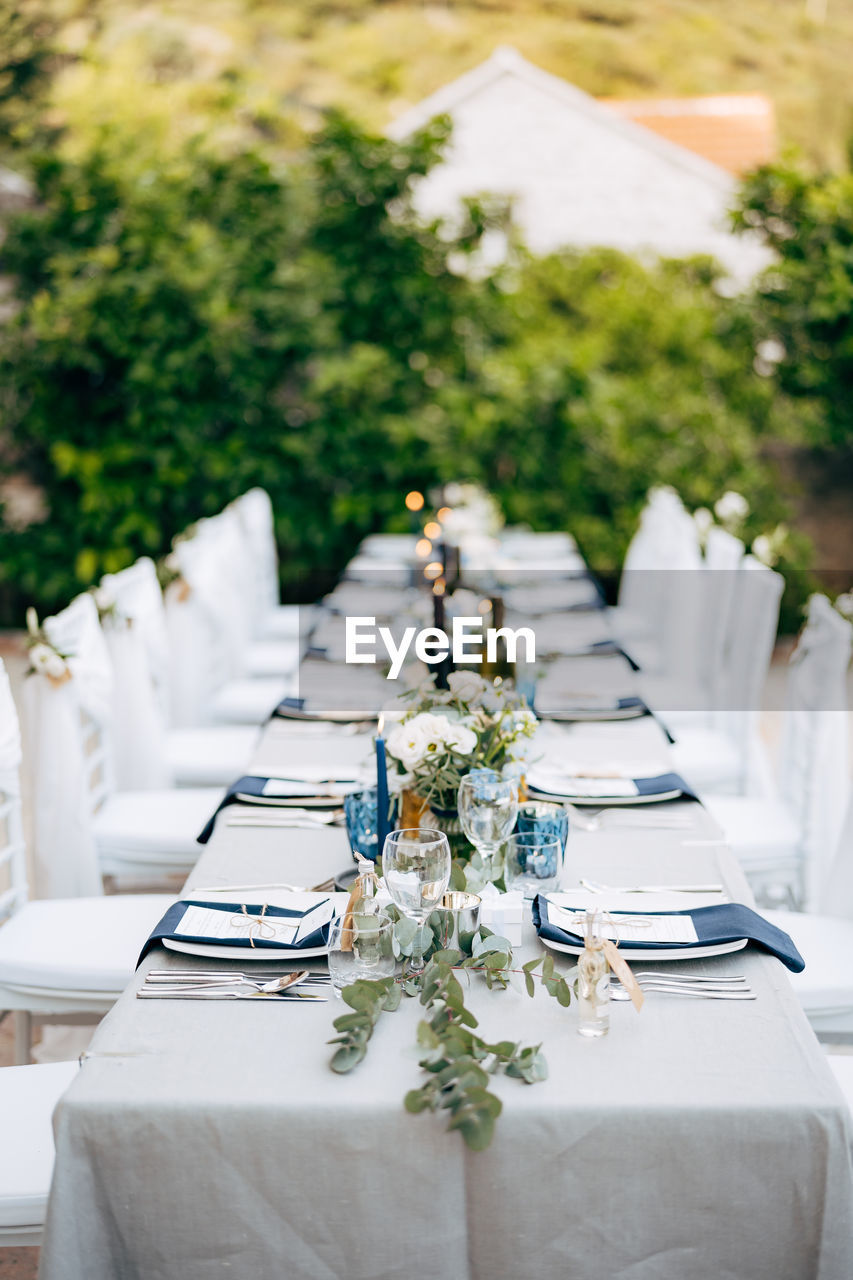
[457, 1062]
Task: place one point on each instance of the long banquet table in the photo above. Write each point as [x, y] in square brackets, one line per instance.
[698, 1139]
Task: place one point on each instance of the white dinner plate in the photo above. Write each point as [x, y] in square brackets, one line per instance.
[601, 802]
[656, 953]
[267, 954]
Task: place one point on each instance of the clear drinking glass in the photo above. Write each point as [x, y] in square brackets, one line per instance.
[488, 805]
[416, 868]
[360, 946]
[534, 862]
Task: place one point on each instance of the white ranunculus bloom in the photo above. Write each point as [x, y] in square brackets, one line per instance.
[762, 549]
[436, 730]
[732, 506]
[466, 685]
[461, 740]
[408, 743]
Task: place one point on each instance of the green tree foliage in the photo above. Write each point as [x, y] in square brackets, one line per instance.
[192, 322]
[805, 300]
[607, 376]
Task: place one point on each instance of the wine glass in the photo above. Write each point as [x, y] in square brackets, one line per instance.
[416, 868]
[488, 806]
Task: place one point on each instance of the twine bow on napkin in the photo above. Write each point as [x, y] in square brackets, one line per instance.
[257, 926]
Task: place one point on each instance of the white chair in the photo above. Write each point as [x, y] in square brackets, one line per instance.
[722, 753]
[825, 941]
[647, 591]
[786, 841]
[692, 646]
[207, 623]
[147, 752]
[28, 1098]
[83, 827]
[273, 619]
[65, 960]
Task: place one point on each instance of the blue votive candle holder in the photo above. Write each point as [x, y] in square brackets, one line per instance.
[360, 812]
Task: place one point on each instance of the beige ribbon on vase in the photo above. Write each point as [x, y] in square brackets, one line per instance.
[615, 961]
[366, 875]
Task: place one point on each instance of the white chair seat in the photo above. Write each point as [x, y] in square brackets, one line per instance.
[277, 657]
[65, 946]
[28, 1096]
[708, 758]
[154, 828]
[210, 757]
[825, 987]
[280, 623]
[760, 832]
[250, 701]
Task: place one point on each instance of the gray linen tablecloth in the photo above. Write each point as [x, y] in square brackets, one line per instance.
[698, 1140]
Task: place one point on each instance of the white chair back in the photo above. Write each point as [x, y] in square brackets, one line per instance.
[69, 754]
[835, 897]
[255, 511]
[13, 867]
[640, 584]
[208, 616]
[813, 772]
[747, 652]
[138, 646]
[137, 594]
[723, 556]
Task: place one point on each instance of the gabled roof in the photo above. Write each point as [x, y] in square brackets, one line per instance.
[506, 61]
[577, 172]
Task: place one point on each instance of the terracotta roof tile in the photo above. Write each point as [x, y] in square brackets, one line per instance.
[736, 131]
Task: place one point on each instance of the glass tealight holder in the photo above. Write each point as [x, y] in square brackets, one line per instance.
[360, 946]
[534, 862]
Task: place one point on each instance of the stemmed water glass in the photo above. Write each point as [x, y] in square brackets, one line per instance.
[488, 806]
[416, 869]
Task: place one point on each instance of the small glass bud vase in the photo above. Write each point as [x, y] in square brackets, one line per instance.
[593, 980]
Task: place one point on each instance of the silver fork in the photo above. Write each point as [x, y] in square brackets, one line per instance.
[593, 819]
[595, 886]
[700, 991]
[281, 983]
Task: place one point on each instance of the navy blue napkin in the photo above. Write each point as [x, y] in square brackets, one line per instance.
[577, 712]
[659, 785]
[727, 922]
[294, 709]
[252, 785]
[175, 914]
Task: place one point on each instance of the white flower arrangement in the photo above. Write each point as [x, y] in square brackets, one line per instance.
[768, 547]
[45, 659]
[731, 510]
[472, 724]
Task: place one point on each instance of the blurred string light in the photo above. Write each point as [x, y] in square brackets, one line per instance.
[442, 514]
[414, 500]
[422, 548]
[434, 570]
[432, 529]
